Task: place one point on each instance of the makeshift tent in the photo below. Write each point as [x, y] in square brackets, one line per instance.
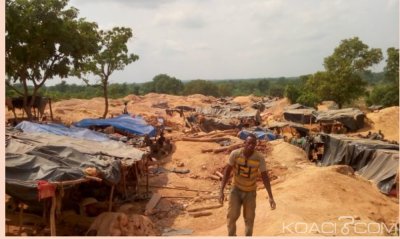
[375, 160]
[211, 124]
[38, 156]
[351, 118]
[230, 112]
[297, 106]
[302, 116]
[59, 129]
[125, 123]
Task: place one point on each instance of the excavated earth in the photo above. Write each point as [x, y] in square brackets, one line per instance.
[310, 200]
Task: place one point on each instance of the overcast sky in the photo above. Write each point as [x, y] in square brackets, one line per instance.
[233, 39]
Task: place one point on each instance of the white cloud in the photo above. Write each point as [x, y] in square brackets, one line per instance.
[220, 39]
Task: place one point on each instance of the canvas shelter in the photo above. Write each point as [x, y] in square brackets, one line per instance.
[375, 160]
[351, 118]
[230, 112]
[43, 165]
[300, 114]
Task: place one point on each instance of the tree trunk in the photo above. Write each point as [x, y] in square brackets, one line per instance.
[105, 91]
[26, 104]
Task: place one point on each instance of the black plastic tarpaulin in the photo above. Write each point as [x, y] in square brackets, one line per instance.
[302, 116]
[352, 118]
[53, 158]
[375, 160]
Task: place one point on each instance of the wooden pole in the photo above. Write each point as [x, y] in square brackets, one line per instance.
[204, 208]
[177, 188]
[21, 212]
[124, 180]
[53, 216]
[200, 214]
[203, 139]
[111, 197]
[147, 177]
[51, 111]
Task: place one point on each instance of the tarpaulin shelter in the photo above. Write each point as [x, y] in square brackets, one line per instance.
[300, 115]
[297, 106]
[42, 165]
[59, 129]
[373, 159]
[351, 118]
[230, 112]
[210, 124]
[125, 123]
[40, 156]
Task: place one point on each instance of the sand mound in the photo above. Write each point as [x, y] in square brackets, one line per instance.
[244, 100]
[319, 196]
[386, 120]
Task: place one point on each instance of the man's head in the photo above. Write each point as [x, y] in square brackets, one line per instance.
[250, 145]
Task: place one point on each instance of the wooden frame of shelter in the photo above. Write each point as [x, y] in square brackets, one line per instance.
[137, 168]
[132, 167]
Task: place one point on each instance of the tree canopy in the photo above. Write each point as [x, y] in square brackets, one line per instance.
[44, 39]
[341, 82]
[163, 83]
[112, 56]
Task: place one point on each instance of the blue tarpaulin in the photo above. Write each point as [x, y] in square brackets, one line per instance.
[261, 135]
[124, 123]
[60, 129]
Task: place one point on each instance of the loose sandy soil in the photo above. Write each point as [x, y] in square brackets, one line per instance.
[311, 196]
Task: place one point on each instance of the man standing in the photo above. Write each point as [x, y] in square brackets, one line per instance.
[246, 164]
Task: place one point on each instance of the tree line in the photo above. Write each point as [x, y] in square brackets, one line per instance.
[45, 39]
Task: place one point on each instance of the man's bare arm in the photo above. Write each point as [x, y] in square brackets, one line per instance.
[227, 173]
[267, 185]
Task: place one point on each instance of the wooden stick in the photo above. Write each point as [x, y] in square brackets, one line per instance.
[176, 188]
[209, 197]
[204, 208]
[77, 181]
[219, 174]
[217, 134]
[215, 177]
[124, 180]
[200, 214]
[203, 139]
[178, 196]
[21, 212]
[229, 148]
[111, 197]
[207, 150]
[51, 111]
[53, 216]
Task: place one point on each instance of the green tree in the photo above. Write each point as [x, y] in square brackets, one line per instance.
[342, 82]
[112, 56]
[392, 66]
[277, 90]
[44, 39]
[201, 87]
[263, 86]
[165, 84]
[292, 93]
[225, 89]
[385, 95]
[387, 92]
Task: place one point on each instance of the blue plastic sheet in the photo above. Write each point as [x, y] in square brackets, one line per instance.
[261, 135]
[59, 129]
[124, 123]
